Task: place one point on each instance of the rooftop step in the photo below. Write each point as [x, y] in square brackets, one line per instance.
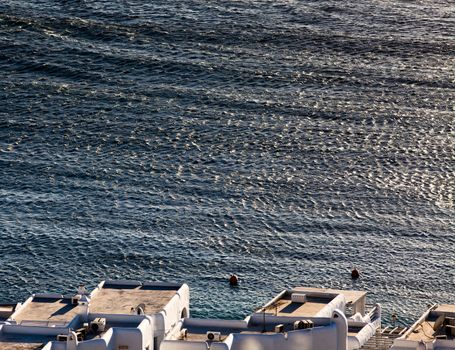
[383, 339]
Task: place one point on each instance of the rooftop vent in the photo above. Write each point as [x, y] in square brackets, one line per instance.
[298, 298]
[184, 333]
[65, 337]
[450, 330]
[140, 309]
[303, 324]
[98, 325]
[449, 321]
[279, 328]
[62, 337]
[213, 336]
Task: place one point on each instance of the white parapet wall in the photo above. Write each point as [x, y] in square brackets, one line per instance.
[126, 338]
[202, 322]
[36, 329]
[368, 326]
[261, 318]
[176, 308]
[54, 346]
[404, 344]
[183, 345]
[436, 344]
[147, 332]
[327, 334]
[337, 303]
[95, 344]
[294, 340]
[332, 336]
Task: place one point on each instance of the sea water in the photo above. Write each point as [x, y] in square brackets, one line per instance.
[284, 141]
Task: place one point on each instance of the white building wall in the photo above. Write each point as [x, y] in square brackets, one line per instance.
[176, 307]
[159, 327]
[145, 327]
[310, 339]
[442, 344]
[183, 345]
[130, 337]
[95, 344]
[55, 346]
[439, 344]
[258, 342]
[337, 303]
[219, 346]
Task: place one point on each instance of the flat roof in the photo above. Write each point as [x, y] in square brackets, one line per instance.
[433, 326]
[423, 331]
[316, 300]
[6, 310]
[52, 310]
[119, 299]
[448, 308]
[352, 296]
[7, 307]
[20, 346]
[23, 341]
[286, 307]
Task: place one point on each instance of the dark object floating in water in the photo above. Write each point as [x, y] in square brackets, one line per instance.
[233, 280]
[355, 274]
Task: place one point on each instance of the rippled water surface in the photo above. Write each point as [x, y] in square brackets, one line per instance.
[286, 141]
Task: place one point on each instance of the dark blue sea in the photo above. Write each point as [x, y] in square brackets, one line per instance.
[286, 141]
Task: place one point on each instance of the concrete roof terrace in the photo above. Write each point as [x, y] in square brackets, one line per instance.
[53, 310]
[117, 298]
[352, 296]
[432, 326]
[316, 300]
[20, 346]
[23, 342]
[6, 310]
[286, 307]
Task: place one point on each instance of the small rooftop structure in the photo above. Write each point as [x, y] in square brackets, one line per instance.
[6, 310]
[435, 329]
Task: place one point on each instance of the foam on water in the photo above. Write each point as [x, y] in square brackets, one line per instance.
[285, 141]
